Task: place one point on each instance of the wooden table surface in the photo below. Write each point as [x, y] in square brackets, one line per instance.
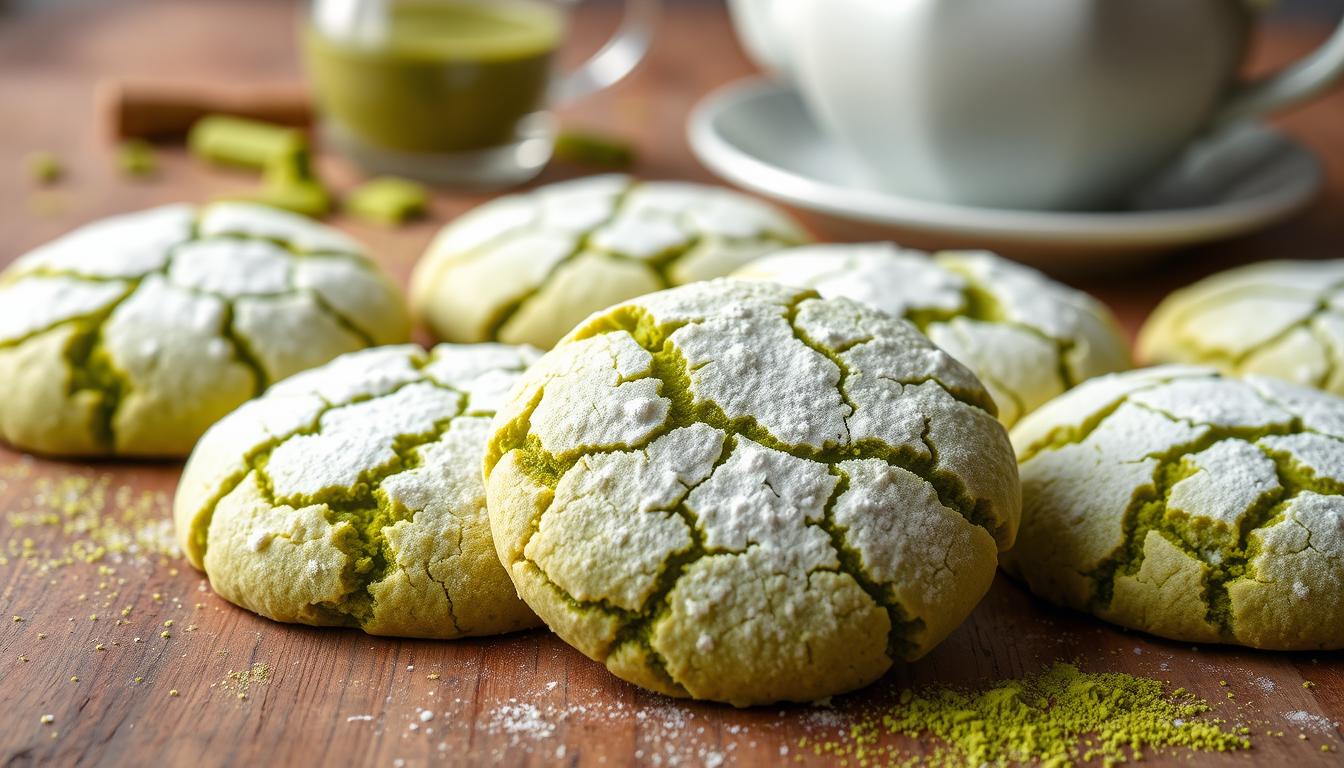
[222, 686]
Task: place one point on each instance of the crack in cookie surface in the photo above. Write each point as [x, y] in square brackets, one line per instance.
[626, 482]
[258, 295]
[1281, 318]
[526, 267]
[1027, 337]
[1162, 500]
[351, 495]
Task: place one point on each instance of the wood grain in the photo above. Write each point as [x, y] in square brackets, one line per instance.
[341, 697]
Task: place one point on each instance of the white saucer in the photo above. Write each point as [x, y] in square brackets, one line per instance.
[757, 134]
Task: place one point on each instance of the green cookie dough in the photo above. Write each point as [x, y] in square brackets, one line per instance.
[1026, 336]
[746, 493]
[351, 495]
[1187, 504]
[132, 335]
[1278, 318]
[527, 268]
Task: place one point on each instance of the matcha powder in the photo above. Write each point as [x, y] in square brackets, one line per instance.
[1060, 717]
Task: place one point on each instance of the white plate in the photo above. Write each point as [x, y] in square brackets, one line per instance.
[757, 134]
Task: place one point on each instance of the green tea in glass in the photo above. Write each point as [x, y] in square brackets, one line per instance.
[453, 91]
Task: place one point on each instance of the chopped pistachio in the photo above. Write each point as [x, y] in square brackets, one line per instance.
[45, 168]
[226, 140]
[388, 200]
[136, 158]
[584, 148]
[309, 198]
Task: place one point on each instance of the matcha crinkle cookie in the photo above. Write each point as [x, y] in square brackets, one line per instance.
[743, 492]
[528, 267]
[1026, 336]
[1188, 504]
[1278, 318]
[351, 495]
[130, 336]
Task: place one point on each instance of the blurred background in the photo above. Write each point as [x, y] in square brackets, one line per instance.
[1286, 8]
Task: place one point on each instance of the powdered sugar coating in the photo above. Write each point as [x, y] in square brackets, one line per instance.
[693, 481]
[1184, 503]
[526, 268]
[139, 331]
[1277, 318]
[352, 495]
[1026, 336]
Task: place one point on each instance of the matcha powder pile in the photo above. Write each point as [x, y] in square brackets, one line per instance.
[1060, 717]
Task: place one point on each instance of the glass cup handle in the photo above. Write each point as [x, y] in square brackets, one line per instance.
[615, 59]
[1299, 82]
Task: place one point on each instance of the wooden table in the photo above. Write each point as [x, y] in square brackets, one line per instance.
[317, 696]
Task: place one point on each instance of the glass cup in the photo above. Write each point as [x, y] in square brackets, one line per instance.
[454, 91]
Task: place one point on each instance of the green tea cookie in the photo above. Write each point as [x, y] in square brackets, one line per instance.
[1026, 336]
[524, 269]
[1278, 318]
[131, 336]
[743, 492]
[351, 495]
[1193, 506]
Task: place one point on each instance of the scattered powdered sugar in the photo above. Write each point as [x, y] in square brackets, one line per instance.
[354, 718]
[825, 717]
[1265, 684]
[521, 720]
[1303, 719]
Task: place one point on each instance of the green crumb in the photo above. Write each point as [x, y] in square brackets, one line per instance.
[165, 634]
[20, 618]
[173, 692]
[44, 167]
[583, 148]
[47, 719]
[280, 153]
[307, 197]
[1060, 717]
[136, 158]
[226, 140]
[388, 200]
[1308, 684]
[239, 682]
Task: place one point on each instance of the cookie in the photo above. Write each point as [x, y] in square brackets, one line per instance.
[1026, 336]
[131, 336]
[526, 268]
[742, 492]
[351, 495]
[1191, 505]
[1278, 318]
